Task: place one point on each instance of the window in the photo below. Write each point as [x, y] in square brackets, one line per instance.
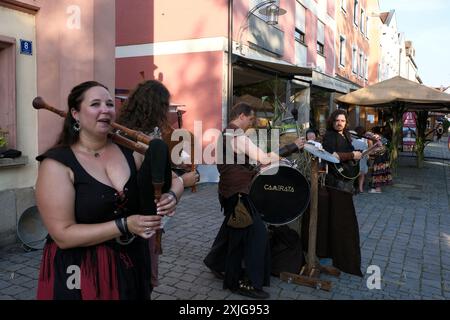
[320, 48]
[344, 5]
[366, 27]
[320, 37]
[300, 22]
[342, 51]
[366, 69]
[354, 60]
[8, 71]
[379, 72]
[361, 21]
[355, 13]
[361, 64]
[299, 36]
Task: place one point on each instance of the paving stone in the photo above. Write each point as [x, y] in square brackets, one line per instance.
[183, 285]
[13, 290]
[4, 284]
[218, 294]
[169, 280]
[165, 297]
[25, 295]
[182, 294]
[432, 283]
[30, 285]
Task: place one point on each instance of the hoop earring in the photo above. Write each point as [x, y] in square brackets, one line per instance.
[76, 126]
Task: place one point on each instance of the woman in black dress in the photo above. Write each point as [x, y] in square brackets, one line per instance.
[87, 195]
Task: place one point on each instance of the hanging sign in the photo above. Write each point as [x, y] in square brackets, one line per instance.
[409, 131]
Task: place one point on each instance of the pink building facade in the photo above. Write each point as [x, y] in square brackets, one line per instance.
[176, 43]
[358, 52]
[185, 45]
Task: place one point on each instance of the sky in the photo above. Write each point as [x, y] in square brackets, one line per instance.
[427, 24]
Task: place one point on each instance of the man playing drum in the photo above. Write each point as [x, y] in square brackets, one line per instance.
[241, 255]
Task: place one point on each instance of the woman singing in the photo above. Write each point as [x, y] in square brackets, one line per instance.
[87, 195]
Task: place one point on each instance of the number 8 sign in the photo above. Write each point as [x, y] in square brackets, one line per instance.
[26, 47]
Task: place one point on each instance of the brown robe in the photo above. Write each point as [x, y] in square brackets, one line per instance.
[337, 225]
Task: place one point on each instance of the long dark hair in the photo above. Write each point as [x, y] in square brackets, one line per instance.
[69, 136]
[146, 107]
[332, 118]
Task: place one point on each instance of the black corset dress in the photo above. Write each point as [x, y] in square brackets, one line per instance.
[108, 270]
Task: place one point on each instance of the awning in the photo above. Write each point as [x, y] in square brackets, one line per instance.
[336, 84]
[290, 71]
[281, 68]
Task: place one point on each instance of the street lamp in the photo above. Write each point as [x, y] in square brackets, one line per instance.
[268, 8]
[272, 11]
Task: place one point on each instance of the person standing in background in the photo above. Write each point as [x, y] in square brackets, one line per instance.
[360, 143]
[144, 110]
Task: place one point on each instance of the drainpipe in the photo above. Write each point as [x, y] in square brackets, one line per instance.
[230, 63]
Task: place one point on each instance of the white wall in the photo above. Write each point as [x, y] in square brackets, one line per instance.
[390, 50]
[16, 183]
[20, 25]
[300, 54]
[320, 63]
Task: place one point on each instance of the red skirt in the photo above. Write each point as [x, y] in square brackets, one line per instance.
[106, 271]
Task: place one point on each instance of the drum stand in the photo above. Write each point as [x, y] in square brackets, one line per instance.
[309, 274]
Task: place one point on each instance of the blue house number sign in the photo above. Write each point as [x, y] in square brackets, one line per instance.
[26, 47]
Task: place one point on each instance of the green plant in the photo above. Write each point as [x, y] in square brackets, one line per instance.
[3, 142]
[422, 117]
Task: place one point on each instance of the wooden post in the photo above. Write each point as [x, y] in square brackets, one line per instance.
[311, 260]
[309, 275]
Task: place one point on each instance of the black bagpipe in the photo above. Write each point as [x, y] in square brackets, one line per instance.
[154, 176]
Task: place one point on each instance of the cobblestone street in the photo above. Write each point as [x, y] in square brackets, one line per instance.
[405, 231]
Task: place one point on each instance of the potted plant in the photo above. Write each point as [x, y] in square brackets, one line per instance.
[3, 140]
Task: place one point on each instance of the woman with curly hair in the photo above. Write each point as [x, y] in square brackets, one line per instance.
[146, 107]
[144, 110]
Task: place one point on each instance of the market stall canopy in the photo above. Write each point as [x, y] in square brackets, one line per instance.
[384, 94]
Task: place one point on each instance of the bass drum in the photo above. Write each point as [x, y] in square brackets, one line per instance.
[280, 193]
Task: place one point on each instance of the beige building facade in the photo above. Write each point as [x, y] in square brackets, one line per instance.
[46, 48]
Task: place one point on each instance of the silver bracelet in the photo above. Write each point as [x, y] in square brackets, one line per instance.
[182, 181]
[174, 195]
